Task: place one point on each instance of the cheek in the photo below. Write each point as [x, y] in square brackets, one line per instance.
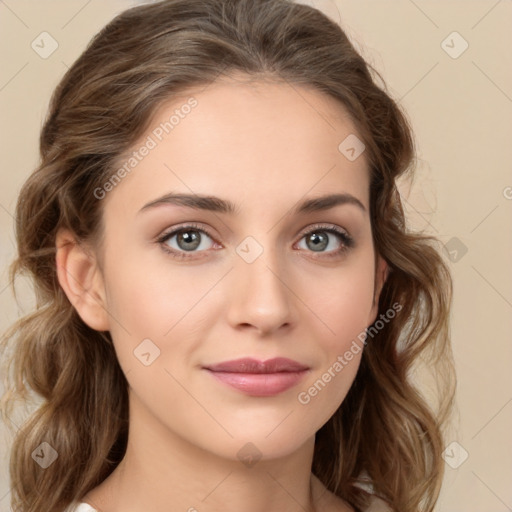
[342, 300]
[139, 290]
[349, 312]
[344, 310]
[157, 302]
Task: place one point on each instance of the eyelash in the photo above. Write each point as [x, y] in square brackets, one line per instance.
[346, 239]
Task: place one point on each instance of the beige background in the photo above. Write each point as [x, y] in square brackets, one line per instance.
[461, 111]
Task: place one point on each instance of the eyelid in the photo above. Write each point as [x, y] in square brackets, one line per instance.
[184, 225]
[324, 226]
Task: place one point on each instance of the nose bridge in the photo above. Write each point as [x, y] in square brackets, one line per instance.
[261, 295]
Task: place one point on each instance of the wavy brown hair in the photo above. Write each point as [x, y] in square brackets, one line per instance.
[386, 437]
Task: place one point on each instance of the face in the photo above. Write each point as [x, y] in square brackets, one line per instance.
[192, 283]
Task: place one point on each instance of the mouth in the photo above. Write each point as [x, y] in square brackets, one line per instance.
[259, 378]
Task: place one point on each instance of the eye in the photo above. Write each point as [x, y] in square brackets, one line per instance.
[322, 238]
[185, 239]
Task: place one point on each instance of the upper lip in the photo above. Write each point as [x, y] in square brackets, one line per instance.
[249, 365]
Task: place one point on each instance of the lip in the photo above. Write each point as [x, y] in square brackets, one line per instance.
[259, 378]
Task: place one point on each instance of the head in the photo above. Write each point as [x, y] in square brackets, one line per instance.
[267, 106]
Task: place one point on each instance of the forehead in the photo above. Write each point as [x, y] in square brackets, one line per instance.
[253, 139]
[264, 106]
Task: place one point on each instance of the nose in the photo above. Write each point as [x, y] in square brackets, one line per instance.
[261, 298]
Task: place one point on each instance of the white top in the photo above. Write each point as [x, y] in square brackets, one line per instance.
[82, 507]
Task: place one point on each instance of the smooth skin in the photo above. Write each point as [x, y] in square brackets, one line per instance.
[265, 146]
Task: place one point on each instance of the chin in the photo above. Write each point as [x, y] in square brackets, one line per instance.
[250, 445]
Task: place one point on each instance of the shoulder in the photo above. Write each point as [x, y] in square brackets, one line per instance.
[377, 505]
[328, 502]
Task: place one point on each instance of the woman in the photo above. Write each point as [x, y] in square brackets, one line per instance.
[230, 304]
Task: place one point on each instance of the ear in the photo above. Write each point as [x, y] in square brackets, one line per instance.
[80, 277]
[381, 274]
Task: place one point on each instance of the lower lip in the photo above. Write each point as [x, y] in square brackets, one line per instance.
[260, 384]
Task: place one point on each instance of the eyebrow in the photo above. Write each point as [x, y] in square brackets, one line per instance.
[216, 204]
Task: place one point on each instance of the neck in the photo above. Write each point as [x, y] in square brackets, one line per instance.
[163, 472]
